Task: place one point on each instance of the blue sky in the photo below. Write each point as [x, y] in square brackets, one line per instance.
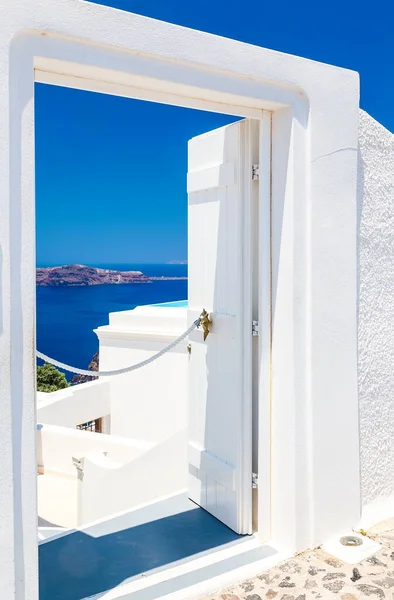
[101, 195]
[111, 177]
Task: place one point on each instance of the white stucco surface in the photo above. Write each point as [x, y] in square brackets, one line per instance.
[148, 403]
[58, 445]
[75, 405]
[109, 487]
[118, 473]
[376, 318]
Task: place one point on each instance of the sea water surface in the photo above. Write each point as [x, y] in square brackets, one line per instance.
[67, 316]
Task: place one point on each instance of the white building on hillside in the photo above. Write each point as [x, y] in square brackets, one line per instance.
[275, 433]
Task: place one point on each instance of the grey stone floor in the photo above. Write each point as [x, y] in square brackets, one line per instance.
[315, 574]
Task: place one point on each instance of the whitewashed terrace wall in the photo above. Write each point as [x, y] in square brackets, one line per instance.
[149, 403]
[108, 487]
[376, 318]
[56, 447]
[118, 473]
[75, 405]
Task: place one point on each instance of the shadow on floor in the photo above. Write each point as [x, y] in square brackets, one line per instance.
[105, 555]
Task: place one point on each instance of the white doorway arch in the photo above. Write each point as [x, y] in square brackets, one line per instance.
[311, 353]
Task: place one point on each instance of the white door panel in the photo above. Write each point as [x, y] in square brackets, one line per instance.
[220, 441]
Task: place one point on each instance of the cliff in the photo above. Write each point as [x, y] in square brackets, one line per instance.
[78, 275]
[93, 366]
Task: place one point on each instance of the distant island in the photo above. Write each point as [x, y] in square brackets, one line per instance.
[79, 275]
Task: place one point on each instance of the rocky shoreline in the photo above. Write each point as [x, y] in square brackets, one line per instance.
[93, 366]
[81, 275]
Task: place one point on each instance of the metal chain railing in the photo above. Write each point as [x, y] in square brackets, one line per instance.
[130, 368]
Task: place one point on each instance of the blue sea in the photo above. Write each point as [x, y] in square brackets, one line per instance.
[66, 316]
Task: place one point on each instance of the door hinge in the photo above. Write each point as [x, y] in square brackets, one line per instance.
[255, 172]
[255, 328]
[255, 481]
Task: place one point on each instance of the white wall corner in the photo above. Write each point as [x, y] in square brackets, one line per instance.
[375, 318]
[314, 362]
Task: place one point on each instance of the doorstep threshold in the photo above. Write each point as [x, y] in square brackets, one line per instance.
[168, 548]
[191, 579]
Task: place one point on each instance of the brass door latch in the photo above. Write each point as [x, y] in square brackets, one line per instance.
[205, 323]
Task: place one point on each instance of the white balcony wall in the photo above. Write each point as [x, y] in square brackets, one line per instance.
[58, 445]
[144, 458]
[108, 487]
[75, 405]
[118, 474]
[149, 403]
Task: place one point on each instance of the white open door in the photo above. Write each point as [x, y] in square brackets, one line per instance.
[220, 369]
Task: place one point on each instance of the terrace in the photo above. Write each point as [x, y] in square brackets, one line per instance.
[121, 496]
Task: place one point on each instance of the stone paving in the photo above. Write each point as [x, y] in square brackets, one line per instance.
[316, 574]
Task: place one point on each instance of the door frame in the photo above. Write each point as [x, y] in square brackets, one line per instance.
[44, 73]
[313, 244]
[264, 117]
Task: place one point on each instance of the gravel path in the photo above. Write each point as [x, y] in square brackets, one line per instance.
[315, 574]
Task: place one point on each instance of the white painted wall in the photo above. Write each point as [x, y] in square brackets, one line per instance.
[116, 481]
[75, 405]
[376, 318]
[147, 407]
[118, 473]
[108, 487]
[58, 445]
[149, 403]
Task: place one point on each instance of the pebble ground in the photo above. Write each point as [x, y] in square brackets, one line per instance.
[314, 575]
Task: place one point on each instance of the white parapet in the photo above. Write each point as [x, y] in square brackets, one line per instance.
[157, 320]
[106, 486]
[84, 476]
[74, 405]
[149, 403]
[58, 445]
